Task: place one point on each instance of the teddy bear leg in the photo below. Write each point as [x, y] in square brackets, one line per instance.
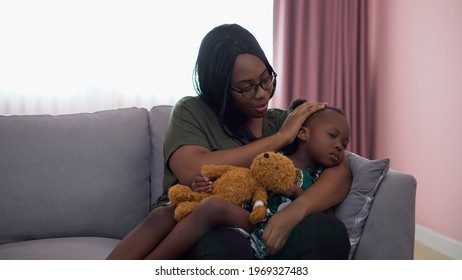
[180, 193]
[183, 209]
[257, 215]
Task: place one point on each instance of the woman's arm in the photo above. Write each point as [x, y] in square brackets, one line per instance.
[187, 161]
[330, 189]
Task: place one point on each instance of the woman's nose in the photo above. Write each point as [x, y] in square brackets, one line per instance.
[261, 92]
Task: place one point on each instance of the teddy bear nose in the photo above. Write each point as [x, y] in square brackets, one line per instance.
[266, 155]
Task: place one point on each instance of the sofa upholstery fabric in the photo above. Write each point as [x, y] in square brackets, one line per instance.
[73, 175]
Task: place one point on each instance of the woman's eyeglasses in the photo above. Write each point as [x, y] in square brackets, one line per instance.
[250, 91]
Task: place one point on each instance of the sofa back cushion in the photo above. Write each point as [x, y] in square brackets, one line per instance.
[73, 175]
[158, 120]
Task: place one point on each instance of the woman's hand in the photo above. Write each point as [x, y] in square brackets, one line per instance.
[201, 184]
[278, 229]
[296, 119]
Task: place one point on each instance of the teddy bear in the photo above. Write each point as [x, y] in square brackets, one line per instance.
[269, 172]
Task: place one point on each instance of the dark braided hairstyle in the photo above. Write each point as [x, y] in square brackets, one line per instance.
[213, 71]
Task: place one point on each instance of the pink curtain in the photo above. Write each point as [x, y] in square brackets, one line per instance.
[320, 54]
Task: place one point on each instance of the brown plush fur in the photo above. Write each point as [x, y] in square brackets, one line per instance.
[269, 171]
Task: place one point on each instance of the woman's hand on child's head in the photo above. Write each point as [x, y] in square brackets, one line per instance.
[201, 184]
[297, 117]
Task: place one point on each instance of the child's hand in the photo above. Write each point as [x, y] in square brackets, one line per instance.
[289, 192]
[201, 184]
[292, 192]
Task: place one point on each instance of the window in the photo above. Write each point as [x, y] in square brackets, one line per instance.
[78, 56]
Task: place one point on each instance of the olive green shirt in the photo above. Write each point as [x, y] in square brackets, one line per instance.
[192, 122]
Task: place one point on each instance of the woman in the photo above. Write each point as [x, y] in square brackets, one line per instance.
[229, 123]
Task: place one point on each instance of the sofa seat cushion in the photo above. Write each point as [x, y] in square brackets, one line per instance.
[70, 248]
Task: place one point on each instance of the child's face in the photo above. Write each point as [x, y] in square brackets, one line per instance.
[328, 137]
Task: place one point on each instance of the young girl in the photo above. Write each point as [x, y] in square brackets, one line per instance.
[320, 143]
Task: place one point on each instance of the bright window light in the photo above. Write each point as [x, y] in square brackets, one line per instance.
[78, 56]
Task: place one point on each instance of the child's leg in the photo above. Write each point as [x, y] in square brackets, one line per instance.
[209, 214]
[146, 236]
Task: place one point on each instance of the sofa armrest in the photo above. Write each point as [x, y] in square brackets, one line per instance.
[389, 230]
[158, 121]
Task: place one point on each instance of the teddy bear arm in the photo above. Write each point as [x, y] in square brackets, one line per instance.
[180, 193]
[215, 171]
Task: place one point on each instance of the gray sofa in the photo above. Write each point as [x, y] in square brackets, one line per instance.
[71, 186]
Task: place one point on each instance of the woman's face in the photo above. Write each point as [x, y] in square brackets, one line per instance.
[249, 71]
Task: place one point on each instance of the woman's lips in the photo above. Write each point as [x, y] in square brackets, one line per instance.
[262, 107]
